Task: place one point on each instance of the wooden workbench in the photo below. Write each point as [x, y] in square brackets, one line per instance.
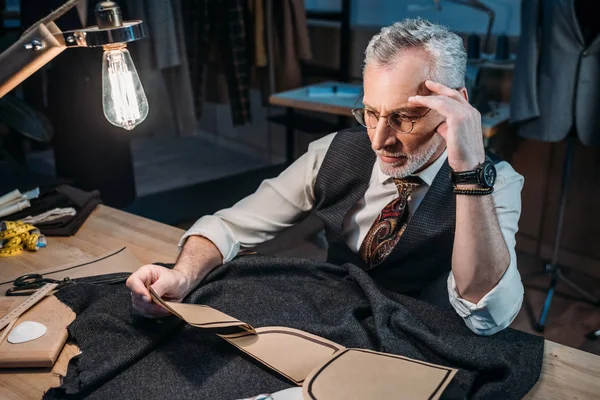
[566, 374]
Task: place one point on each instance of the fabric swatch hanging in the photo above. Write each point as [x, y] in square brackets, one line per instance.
[217, 34]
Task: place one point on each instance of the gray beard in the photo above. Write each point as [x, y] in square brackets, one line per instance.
[413, 163]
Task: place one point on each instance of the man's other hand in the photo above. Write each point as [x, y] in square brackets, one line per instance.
[461, 128]
[171, 285]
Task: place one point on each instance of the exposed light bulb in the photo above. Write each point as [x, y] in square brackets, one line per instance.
[123, 98]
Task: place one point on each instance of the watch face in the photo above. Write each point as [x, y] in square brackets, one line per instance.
[489, 175]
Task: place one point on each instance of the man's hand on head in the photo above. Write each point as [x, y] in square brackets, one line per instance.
[461, 127]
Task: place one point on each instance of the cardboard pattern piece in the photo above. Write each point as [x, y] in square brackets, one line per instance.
[291, 352]
[357, 374]
[44, 351]
[324, 369]
[200, 316]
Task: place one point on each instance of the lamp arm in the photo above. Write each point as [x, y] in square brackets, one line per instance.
[54, 15]
[28, 54]
[36, 47]
[44, 40]
[478, 5]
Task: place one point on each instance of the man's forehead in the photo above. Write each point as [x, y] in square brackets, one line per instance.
[406, 88]
[405, 76]
[399, 98]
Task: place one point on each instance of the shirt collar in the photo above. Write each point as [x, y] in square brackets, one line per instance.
[427, 175]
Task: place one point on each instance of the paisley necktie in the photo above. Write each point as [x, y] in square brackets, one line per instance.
[389, 225]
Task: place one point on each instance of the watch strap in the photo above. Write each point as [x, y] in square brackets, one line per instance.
[466, 176]
[474, 191]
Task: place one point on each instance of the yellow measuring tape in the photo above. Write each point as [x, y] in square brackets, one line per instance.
[18, 236]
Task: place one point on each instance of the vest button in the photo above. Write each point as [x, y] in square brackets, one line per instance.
[585, 53]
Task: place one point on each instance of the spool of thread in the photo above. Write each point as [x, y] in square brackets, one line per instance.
[473, 47]
[502, 52]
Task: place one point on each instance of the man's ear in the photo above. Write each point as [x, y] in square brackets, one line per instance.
[464, 93]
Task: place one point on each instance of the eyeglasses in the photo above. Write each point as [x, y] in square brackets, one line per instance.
[397, 121]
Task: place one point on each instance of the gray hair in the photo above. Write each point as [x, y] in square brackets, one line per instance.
[448, 60]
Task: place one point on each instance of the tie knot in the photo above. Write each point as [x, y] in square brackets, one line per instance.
[407, 185]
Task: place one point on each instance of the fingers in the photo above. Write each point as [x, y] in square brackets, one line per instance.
[138, 281]
[168, 284]
[148, 309]
[442, 129]
[440, 89]
[140, 295]
[442, 104]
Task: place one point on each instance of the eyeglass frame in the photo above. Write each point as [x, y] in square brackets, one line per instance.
[412, 121]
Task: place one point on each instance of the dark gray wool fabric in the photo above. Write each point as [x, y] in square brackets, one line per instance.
[126, 356]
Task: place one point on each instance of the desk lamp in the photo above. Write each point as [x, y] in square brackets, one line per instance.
[123, 98]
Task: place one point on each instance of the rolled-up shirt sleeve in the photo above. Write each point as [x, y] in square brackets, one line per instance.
[277, 204]
[499, 307]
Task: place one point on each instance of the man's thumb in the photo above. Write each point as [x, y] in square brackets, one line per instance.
[159, 287]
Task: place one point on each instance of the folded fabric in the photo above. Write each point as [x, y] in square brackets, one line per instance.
[68, 226]
[48, 199]
[126, 356]
[62, 196]
[50, 216]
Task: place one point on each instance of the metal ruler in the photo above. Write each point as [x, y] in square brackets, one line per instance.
[27, 304]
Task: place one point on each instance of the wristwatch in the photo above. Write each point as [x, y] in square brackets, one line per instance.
[484, 176]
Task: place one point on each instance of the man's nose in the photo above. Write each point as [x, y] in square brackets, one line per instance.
[383, 137]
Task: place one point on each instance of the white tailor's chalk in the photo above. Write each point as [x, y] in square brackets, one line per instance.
[26, 331]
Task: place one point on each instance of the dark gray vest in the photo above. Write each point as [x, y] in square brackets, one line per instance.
[420, 263]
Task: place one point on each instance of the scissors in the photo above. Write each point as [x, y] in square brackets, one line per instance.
[26, 285]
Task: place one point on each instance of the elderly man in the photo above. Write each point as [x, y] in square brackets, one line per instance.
[410, 197]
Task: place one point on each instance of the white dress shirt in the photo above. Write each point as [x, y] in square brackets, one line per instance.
[285, 200]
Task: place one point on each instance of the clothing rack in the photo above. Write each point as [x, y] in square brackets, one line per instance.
[312, 124]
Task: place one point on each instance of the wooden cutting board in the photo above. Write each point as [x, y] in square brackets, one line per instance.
[43, 351]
